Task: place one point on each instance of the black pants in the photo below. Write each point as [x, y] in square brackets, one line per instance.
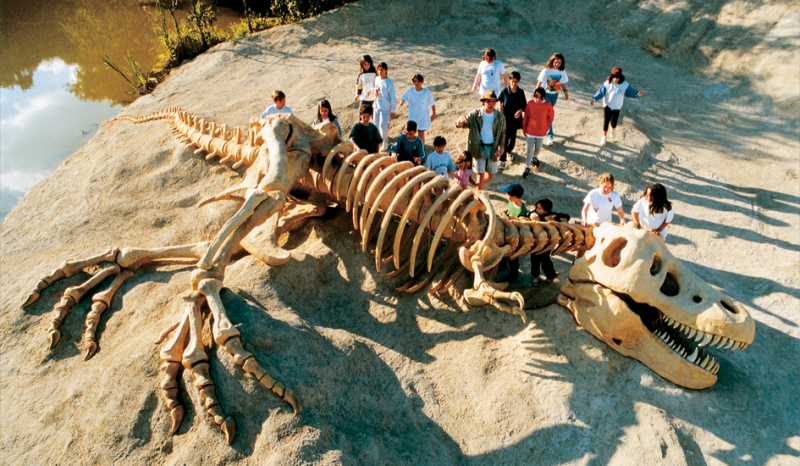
[511, 141]
[610, 115]
[546, 263]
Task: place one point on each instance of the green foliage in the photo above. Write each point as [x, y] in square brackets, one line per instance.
[140, 81]
[289, 11]
[202, 18]
[252, 24]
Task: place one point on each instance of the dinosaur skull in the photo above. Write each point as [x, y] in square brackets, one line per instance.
[630, 292]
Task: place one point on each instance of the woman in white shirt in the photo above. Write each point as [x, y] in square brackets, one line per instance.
[489, 73]
[653, 211]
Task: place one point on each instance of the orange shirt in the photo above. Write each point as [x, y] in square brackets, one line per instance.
[538, 118]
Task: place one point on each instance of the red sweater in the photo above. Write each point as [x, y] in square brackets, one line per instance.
[538, 118]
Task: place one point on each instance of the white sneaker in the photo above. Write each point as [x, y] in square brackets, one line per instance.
[603, 141]
[549, 140]
[502, 166]
[611, 133]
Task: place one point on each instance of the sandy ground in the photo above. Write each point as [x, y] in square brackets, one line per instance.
[388, 379]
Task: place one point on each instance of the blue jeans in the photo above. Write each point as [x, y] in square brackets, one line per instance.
[552, 98]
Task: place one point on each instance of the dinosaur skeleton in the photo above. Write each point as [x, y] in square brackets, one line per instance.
[401, 212]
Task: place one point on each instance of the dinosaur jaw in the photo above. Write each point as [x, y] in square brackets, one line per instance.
[639, 331]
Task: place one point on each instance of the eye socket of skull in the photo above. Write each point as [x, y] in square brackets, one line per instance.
[612, 256]
[670, 287]
[657, 264]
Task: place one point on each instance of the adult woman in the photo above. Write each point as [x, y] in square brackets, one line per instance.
[489, 73]
[552, 78]
[325, 115]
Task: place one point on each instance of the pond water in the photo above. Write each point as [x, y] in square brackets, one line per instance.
[55, 89]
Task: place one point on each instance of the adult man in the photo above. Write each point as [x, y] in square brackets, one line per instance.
[486, 140]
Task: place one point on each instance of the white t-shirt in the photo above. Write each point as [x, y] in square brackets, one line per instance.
[487, 137]
[274, 110]
[552, 80]
[419, 107]
[366, 81]
[601, 205]
[441, 164]
[651, 222]
[490, 76]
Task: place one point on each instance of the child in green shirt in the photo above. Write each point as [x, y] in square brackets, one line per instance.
[516, 208]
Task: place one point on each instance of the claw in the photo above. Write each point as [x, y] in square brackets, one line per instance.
[229, 428]
[290, 397]
[53, 338]
[91, 349]
[176, 417]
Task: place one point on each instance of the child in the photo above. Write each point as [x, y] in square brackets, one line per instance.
[544, 213]
[364, 133]
[419, 100]
[489, 73]
[512, 103]
[552, 78]
[440, 160]
[516, 208]
[613, 93]
[365, 84]
[539, 115]
[463, 175]
[599, 203]
[279, 100]
[653, 211]
[385, 103]
[325, 115]
[408, 146]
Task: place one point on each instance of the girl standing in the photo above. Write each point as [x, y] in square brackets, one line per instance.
[553, 78]
[385, 103]
[653, 211]
[539, 115]
[421, 105]
[613, 93]
[365, 83]
[489, 73]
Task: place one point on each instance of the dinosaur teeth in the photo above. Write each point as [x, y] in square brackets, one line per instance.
[725, 343]
[715, 340]
[706, 338]
[706, 362]
[737, 345]
[692, 333]
[693, 356]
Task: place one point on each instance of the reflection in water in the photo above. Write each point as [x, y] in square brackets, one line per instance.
[41, 126]
[55, 88]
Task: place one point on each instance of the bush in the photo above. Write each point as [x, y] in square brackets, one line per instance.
[289, 11]
[251, 24]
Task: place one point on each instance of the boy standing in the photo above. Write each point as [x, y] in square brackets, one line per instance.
[385, 103]
[364, 134]
[544, 213]
[408, 146]
[486, 140]
[440, 160]
[512, 104]
[279, 100]
[419, 100]
[516, 208]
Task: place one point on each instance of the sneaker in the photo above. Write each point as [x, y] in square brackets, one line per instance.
[550, 279]
[536, 281]
[502, 166]
[603, 141]
[526, 172]
[611, 133]
[536, 165]
[549, 141]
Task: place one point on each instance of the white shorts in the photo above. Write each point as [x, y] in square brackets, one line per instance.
[482, 166]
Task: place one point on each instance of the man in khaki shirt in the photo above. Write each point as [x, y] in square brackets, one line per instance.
[487, 133]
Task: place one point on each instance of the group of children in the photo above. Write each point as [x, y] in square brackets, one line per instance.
[652, 212]
[377, 96]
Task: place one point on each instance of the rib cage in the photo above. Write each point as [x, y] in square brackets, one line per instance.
[423, 205]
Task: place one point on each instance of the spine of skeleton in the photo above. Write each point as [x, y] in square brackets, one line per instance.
[206, 136]
[425, 210]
